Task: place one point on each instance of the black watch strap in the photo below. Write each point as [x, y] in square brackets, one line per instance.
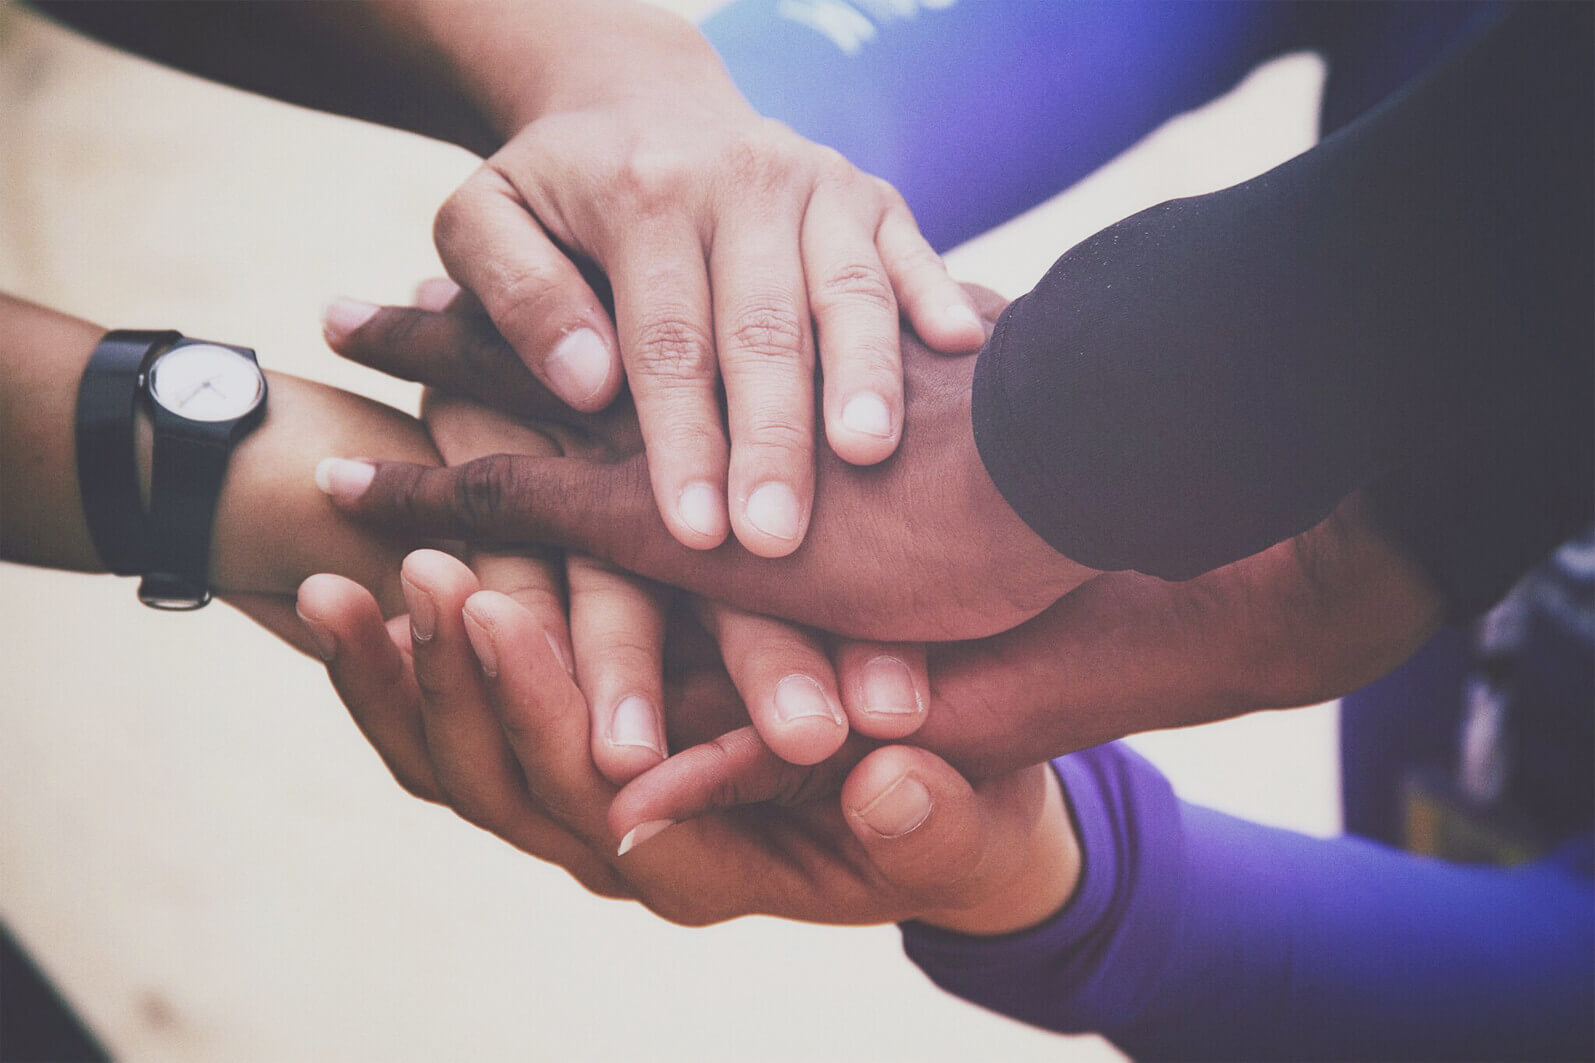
[189, 465]
[107, 475]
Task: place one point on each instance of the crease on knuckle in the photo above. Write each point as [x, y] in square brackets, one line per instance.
[673, 350]
[859, 283]
[480, 492]
[776, 430]
[767, 330]
[519, 302]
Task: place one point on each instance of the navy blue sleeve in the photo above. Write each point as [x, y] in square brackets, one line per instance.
[1405, 308]
[1195, 935]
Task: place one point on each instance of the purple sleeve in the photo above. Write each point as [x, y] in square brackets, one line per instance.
[1193, 934]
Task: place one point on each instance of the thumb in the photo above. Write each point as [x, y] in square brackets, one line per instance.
[457, 351]
[943, 842]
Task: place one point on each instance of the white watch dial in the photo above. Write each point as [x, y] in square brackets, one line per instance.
[203, 382]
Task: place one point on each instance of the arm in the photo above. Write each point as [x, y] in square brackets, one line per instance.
[1404, 308]
[1196, 935]
[272, 526]
[732, 249]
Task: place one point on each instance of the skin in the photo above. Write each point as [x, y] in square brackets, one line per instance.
[856, 574]
[273, 528]
[481, 715]
[616, 144]
[618, 625]
[1304, 621]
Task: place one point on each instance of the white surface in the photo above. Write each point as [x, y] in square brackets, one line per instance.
[195, 840]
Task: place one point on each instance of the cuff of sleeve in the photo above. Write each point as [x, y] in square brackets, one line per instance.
[1083, 968]
[1011, 458]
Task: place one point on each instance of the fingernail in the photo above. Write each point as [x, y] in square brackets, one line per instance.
[867, 414]
[635, 724]
[773, 509]
[798, 697]
[481, 640]
[578, 365]
[435, 294]
[899, 809]
[342, 316]
[560, 653]
[700, 509]
[326, 642]
[889, 688]
[343, 479]
[641, 833]
[423, 613]
[957, 315]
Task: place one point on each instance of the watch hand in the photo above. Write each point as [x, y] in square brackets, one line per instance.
[186, 399]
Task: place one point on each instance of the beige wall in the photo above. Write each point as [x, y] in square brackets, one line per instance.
[194, 839]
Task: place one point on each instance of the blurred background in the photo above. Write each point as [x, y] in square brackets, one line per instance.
[197, 845]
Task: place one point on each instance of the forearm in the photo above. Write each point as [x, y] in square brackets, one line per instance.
[471, 73]
[273, 528]
[1196, 935]
[1211, 376]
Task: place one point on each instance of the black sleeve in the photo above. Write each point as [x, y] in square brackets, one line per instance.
[1409, 307]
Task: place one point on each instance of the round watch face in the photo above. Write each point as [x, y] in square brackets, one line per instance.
[204, 382]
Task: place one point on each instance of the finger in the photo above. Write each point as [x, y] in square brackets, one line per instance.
[933, 835]
[784, 678]
[371, 676]
[276, 613]
[855, 315]
[885, 687]
[491, 244]
[472, 762]
[767, 363]
[936, 305]
[462, 353]
[542, 714]
[441, 295]
[618, 630]
[606, 510]
[727, 772]
[662, 310]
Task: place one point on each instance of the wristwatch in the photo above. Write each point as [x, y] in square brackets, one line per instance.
[202, 398]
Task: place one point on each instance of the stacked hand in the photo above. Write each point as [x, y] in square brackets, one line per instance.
[1300, 622]
[723, 235]
[922, 546]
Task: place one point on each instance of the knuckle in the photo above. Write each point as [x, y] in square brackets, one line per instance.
[668, 904]
[476, 809]
[763, 159]
[674, 348]
[480, 491]
[776, 429]
[519, 301]
[653, 182]
[414, 783]
[452, 218]
[893, 199]
[857, 283]
[770, 329]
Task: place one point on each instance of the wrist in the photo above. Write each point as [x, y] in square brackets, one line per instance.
[274, 528]
[1043, 887]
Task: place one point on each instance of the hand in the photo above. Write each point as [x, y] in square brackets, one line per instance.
[618, 624]
[920, 547]
[723, 235]
[479, 713]
[1302, 622]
